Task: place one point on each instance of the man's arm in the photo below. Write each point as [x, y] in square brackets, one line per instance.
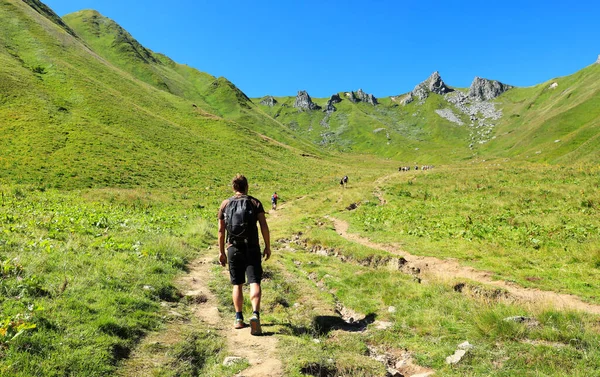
[264, 230]
[222, 255]
[221, 219]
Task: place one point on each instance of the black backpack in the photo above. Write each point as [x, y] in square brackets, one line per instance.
[240, 221]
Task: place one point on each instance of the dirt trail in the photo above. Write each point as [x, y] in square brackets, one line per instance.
[260, 351]
[431, 267]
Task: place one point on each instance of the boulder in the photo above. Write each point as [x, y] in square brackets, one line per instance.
[268, 101]
[304, 102]
[485, 90]
[598, 60]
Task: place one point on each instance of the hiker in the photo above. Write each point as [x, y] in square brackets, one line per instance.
[345, 180]
[238, 216]
[274, 201]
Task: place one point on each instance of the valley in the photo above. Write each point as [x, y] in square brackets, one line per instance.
[114, 160]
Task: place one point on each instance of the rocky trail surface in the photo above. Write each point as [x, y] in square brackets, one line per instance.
[259, 351]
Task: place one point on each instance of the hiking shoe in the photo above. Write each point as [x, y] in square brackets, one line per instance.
[239, 324]
[255, 326]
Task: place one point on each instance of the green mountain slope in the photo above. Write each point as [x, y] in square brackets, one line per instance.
[557, 121]
[215, 95]
[406, 133]
[72, 119]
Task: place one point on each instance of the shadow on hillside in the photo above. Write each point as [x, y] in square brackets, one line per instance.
[323, 324]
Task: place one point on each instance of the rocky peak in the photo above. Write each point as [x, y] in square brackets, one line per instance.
[361, 96]
[485, 90]
[351, 97]
[364, 97]
[433, 84]
[334, 99]
[304, 102]
[268, 101]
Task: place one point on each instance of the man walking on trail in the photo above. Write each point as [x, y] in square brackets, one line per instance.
[238, 216]
[274, 201]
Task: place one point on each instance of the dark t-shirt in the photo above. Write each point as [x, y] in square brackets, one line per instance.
[258, 207]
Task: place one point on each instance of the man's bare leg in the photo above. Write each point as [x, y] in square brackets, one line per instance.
[238, 297]
[238, 303]
[255, 295]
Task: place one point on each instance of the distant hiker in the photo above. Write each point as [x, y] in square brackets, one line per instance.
[274, 198]
[238, 216]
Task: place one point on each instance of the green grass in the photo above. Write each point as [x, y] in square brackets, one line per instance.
[432, 319]
[89, 274]
[536, 225]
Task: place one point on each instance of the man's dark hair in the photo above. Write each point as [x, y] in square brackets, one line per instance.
[240, 184]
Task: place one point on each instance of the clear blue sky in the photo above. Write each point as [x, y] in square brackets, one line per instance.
[384, 47]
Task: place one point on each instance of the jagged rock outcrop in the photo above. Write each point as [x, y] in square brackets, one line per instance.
[351, 97]
[485, 90]
[329, 108]
[361, 96]
[407, 99]
[269, 101]
[433, 84]
[364, 97]
[304, 102]
[598, 60]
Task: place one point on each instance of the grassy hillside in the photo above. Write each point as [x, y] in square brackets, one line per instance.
[74, 120]
[552, 124]
[217, 96]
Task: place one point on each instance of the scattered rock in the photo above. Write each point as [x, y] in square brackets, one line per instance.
[485, 90]
[554, 85]
[392, 309]
[528, 321]
[455, 359]
[598, 60]
[304, 102]
[269, 101]
[449, 115]
[465, 346]
[231, 360]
